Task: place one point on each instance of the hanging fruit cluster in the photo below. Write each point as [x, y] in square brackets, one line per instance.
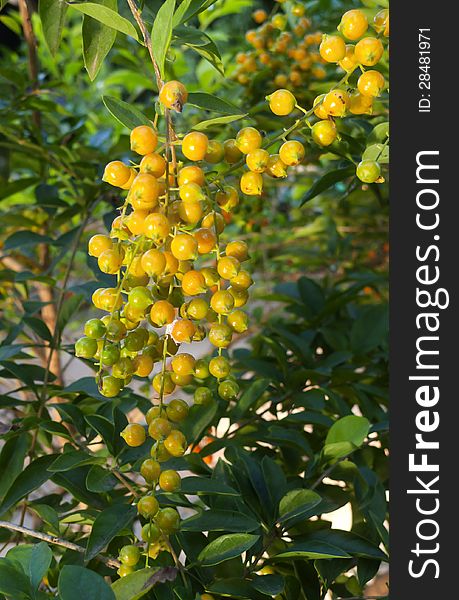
[284, 51]
[175, 284]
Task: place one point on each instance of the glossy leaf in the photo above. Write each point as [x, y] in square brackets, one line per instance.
[52, 14]
[161, 34]
[31, 478]
[137, 584]
[124, 113]
[106, 526]
[98, 40]
[327, 181]
[76, 583]
[226, 547]
[220, 520]
[108, 17]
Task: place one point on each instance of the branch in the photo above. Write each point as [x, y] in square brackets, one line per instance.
[51, 539]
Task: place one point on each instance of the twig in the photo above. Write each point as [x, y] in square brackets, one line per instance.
[51, 539]
[125, 482]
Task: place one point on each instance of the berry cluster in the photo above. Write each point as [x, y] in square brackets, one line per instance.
[283, 45]
[175, 284]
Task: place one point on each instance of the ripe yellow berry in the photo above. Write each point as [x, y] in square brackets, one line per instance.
[381, 22]
[183, 364]
[116, 173]
[222, 302]
[228, 198]
[348, 63]
[319, 109]
[144, 139]
[206, 239]
[370, 83]
[184, 247]
[248, 139]
[360, 105]
[143, 365]
[251, 183]
[173, 95]
[324, 133]
[282, 102]
[193, 283]
[228, 267]
[144, 192]
[259, 16]
[237, 249]
[291, 153]
[157, 226]
[136, 221]
[134, 435]
[231, 151]
[153, 164]
[191, 174]
[336, 103]
[98, 244]
[368, 52]
[276, 168]
[153, 262]
[354, 24]
[332, 48]
[214, 221]
[162, 312]
[194, 145]
[257, 160]
[215, 152]
[183, 330]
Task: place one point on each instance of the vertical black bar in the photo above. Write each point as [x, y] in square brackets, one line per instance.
[424, 523]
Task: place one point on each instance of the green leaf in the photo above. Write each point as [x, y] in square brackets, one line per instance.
[48, 515]
[161, 34]
[76, 583]
[211, 102]
[100, 480]
[271, 585]
[220, 520]
[202, 125]
[52, 15]
[377, 152]
[13, 581]
[39, 327]
[40, 561]
[250, 396]
[348, 541]
[73, 459]
[98, 40]
[200, 486]
[124, 113]
[187, 9]
[327, 181]
[370, 329]
[74, 482]
[31, 478]
[297, 503]
[310, 550]
[201, 43]
[137, 584]
[198, 421]
[20, 239]
[351, 428]
[104, 428]
[106, 526]
[226, 547]
[12, 458]
[108, 17]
